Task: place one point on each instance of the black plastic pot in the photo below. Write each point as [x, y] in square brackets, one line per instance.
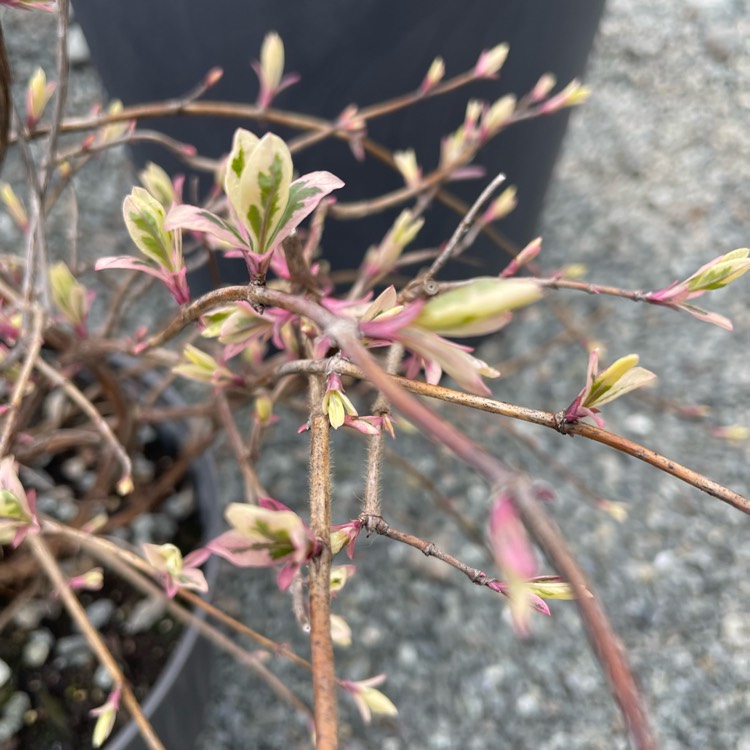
[175, 705]
[347, 52]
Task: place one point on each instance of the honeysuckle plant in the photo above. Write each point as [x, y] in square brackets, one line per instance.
[360, 340]
[266, 204]
[266, 535]
[619, 378]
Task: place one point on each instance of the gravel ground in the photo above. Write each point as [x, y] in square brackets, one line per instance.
[654, 181]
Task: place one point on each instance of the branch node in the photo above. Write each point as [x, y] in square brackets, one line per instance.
[562, 425]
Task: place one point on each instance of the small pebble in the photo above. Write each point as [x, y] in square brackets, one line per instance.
[735, 629]
[144, 615]
[72, 650]
[73, 468]
[180, 505]
[527, 705]
[407, 655]
[78, 48]
[31, 614]
[153, 528]
[102, 678]
[37, 648]
[4, 673]
[639, 424]
[99, 613]
[143, 469]
[60, 507]
[12, 717]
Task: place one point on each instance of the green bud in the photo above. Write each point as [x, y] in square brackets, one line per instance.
[479, 307]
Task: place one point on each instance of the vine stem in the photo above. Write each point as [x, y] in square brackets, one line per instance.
[95, 641]
[321, 644]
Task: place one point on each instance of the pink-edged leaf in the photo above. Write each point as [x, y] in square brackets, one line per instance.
[286, 574]
[196, 558]
[128, 263]
[304, 195]
[454, 359]
[192, 578]
[271, 503]
[262, 192]
[241, 551]
[637, 377]
[201, 220]
[509, 540]
[707, 316]
[538, 604]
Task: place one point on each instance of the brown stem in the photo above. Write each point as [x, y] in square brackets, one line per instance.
[371, 503]
[253, 489]
[546, 419]
[95, 641]
[126, 565]
[61, 48]
[603, 639]
[92, 413]
[378, 525]
[600, 633]
[463, 227]
[321, 645]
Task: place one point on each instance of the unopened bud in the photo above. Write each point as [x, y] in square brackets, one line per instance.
[491, 61]
[68, 294]
[499, 114]
[272, 60]
[38, 95]
[14, 205]
[434, 75]
[573, 94]
[502, 205]
[158, 183]
[263, 409]
[406, 163]
[213, 77]
[477, 308]
[523, 258]
[543, 86]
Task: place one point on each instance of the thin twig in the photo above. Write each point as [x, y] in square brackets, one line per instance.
[114, 555]
[93, 414]
[61, 53]
[546, 419]
[95, 641]
[378, 525]
[253, 488]
[464, 225]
